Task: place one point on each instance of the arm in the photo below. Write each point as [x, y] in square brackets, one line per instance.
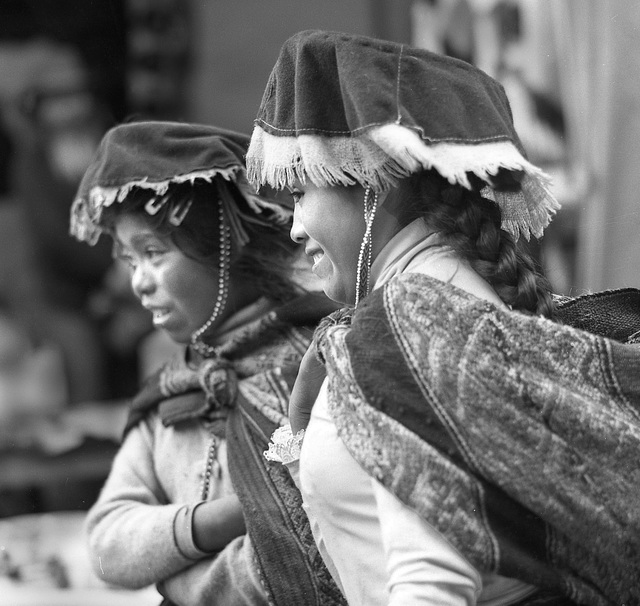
[230, 577]
[305, 390]
[131, 534]
[216, 523]
[423, 567]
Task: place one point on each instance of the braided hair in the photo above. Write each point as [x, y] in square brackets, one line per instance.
[471, 225]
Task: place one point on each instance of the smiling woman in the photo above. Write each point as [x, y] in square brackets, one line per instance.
[212, 261]
[321, 227]
[453, 444]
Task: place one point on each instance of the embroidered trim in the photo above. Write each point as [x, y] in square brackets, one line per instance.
[398, 115]
[86, 213]
[382, 155]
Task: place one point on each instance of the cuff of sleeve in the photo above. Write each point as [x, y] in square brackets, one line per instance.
[183, 533]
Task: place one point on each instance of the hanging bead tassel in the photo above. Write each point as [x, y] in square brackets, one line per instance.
[363, 278]
[224, 262]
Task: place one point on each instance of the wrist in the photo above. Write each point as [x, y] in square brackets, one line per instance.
[216, 523]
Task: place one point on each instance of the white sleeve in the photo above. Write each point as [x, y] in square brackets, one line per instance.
[423, 567]
[131, 527]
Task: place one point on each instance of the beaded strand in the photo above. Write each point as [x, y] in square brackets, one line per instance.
[212, 467]
[223, 287]
[363, 276]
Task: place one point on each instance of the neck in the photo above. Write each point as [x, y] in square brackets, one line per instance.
[240, 294]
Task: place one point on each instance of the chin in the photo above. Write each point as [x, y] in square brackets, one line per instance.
[339, 294]
[177, 337]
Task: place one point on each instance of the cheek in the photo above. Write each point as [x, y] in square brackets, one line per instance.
[343, 240]
[197, 290]
[336, 229]
[191, 286]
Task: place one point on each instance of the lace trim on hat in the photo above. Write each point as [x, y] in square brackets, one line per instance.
[86, 213]
[382, 155]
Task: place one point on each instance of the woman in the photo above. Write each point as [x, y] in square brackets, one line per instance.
[445, 458]
[211, 260]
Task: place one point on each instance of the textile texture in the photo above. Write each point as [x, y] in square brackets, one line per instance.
[276, 340]
[262, 359]
[514, 436]
[153, 155]
[612, 313]
[159, 151]
[332, 84]
[343, 109]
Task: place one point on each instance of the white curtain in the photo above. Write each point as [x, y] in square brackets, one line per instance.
[597, 45]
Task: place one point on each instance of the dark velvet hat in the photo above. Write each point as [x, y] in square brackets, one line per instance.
[344, 109]
[153, 155]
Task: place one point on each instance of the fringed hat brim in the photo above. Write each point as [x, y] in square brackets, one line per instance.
[155, 155]
[86, 212]
[381, 155]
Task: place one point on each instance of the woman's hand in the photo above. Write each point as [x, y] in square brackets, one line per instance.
[216, 523]
[305, 390]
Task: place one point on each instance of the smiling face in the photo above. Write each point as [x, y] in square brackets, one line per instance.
[329, 221]
[179, 291]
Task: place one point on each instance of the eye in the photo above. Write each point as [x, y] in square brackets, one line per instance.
[153, 252]
[296, 195]
[126, 260]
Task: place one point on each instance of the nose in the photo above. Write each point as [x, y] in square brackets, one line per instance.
[297, 233]
[141, 281]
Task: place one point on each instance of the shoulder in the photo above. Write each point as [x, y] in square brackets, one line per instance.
[415, 292]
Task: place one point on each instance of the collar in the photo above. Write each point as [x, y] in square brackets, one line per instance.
[404, 248]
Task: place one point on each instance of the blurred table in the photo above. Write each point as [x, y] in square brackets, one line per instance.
[43, 556]
[44, 562]
[62, 460]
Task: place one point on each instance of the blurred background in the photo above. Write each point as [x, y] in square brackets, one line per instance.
[74, 345]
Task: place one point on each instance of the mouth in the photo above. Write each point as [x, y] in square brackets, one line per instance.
[317, 256]
[160, 315]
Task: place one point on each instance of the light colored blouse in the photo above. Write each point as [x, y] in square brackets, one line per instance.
[140, 530]
[379, 551]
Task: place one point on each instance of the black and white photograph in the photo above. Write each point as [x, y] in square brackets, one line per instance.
[319, 303]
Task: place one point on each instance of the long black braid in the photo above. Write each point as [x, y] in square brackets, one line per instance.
[471, 225]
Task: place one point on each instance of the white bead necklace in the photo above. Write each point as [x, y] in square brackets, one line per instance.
[363, 277]
[223, 288]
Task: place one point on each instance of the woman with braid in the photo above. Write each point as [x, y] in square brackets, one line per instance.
[452, 444]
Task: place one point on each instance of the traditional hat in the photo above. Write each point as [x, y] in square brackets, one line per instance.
[153, 155]
[342, 108]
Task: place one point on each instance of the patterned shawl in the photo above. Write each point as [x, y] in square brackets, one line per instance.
[516, 437]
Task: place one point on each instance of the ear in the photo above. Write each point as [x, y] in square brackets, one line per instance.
[382, 197]
[390, 202]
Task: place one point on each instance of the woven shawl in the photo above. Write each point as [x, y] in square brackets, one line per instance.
[516, 437]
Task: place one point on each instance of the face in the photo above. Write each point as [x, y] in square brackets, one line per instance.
[178, 291]
[329, 222]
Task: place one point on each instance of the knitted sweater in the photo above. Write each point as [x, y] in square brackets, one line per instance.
[140, 528]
